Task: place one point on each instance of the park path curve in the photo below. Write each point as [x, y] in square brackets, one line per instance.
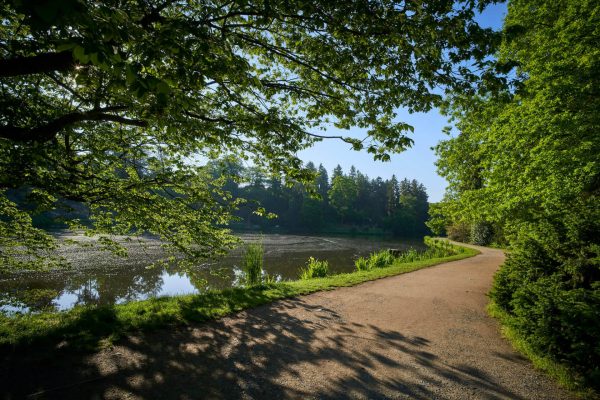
[422, 335]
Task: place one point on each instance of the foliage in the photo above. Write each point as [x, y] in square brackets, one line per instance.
[342, 195]
[253, 264]
[115, 103]
[91, 327]
[481, 233]
[351, 201]
[444, 245]
[314, 269]
[559, 371]
[459, 231]
[362, 264]
[526, 161]
[435, 249]
[552, 315]
[437, 220]
[380, 259]
[409, 256]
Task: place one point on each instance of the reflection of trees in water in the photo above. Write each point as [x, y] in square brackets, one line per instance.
[29, 298]
[110, 288]
[104, 280]
[42, 291]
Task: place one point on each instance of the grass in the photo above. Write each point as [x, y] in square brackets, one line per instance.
[253, 264]
[91, 328]
[314, 269]
[559, 372]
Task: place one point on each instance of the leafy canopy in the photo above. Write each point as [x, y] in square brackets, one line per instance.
[113, 103]
[528, 162]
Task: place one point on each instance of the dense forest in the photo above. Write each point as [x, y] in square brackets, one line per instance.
[347, 203]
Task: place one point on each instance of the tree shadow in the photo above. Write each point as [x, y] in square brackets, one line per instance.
[288, 349]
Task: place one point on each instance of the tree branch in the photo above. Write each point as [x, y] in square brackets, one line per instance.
[46, 132]
[45, 62]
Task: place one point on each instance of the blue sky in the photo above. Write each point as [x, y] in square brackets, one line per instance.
[416, 162]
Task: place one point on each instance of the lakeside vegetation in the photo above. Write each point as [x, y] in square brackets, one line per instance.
[91, 327]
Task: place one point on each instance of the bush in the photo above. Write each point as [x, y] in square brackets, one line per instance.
[437, 248]
[385, 258]
[556, 315]
[314, 269]
[253, 264]
[459, 231]
[481, 233]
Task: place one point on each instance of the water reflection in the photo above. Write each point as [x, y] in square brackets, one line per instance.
[100, 279]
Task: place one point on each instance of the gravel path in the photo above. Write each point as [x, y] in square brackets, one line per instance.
[423, 335]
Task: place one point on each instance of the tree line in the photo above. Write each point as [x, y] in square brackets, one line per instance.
[347, 202]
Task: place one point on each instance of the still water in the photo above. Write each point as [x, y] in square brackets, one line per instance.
[100, 278]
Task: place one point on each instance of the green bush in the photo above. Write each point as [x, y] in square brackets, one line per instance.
[385, 258]
[314, 269]
[253, 264]
[437, 248]
[459, 231]
[553, 312]
[481, 233]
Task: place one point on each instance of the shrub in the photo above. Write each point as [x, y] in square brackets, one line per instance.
[314, 269]
[459, 231]
[362, 264]
[481, 233]
[440, 248]
[253, 264]
[555, 314]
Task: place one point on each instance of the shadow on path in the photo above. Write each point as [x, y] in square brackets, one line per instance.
[289, 349]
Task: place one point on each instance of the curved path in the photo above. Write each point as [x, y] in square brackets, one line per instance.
[423, 335]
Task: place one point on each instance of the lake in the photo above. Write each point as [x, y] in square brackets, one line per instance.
[97, 277]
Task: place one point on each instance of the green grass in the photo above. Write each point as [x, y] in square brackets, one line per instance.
[91, 327]
[253, 264]
[559, 372]
[314, 269]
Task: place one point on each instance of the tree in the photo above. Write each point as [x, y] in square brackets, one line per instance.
[392, 195]
[91, 88]
[322, 182]
[342, 196]
[364, 208]
[337, 171]
[527, 161]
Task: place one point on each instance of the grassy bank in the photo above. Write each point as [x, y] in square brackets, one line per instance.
[559, 372]
[94, 327]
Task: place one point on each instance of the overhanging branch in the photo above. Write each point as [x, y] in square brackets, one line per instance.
[49, 130]
[45, 62]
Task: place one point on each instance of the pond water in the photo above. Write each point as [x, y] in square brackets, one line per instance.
[100, 278]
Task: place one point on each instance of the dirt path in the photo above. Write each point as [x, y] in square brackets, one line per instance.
[423, 335]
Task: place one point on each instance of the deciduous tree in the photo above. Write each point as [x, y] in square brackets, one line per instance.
[111, 103]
